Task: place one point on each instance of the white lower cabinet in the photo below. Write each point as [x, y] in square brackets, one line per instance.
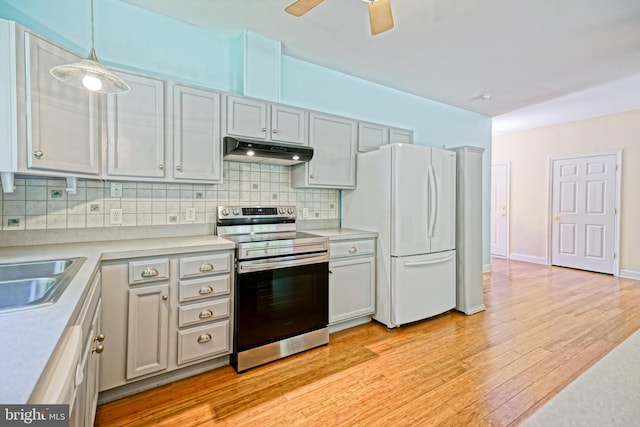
[351, 283]
[83, 410]
[165, 313]
[148, 330]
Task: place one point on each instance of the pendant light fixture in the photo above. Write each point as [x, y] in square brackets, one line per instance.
[90, 73]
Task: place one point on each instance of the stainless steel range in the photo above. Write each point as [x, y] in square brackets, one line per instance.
[281, 295]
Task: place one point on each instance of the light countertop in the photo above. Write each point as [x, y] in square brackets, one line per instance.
[336, 234]
[28, 337]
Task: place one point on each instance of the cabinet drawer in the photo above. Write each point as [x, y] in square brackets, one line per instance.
[351, 248]
[203, 341]
[205, 287]
[205, 264]
[203, 312]
[150, 270]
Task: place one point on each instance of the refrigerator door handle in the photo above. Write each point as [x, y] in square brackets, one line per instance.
[433, 261]
[433, 192]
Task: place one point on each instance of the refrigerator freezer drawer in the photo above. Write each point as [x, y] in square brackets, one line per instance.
[422, 286]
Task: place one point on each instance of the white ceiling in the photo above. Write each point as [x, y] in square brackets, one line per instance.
[523, 52]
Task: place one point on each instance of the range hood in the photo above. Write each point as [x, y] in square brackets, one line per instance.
[272, 153]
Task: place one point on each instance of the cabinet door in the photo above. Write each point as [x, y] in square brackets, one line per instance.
[288, 124]
[334, 142]
[61, 119]
[93, 369]
[371, 136]
[196, 134]
[148, 330]
[246, 117]
[135, 129]
[400, 136]
[351, 288]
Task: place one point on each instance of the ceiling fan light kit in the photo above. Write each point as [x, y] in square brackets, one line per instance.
[380, 16]
[89, 73]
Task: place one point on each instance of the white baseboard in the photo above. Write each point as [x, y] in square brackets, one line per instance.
[528, 258]
[486, 268]
[629, 274]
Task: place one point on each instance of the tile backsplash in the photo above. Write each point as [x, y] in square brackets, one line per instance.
[44, 204]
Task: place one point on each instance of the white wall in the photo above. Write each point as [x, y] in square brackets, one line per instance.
[529, 153]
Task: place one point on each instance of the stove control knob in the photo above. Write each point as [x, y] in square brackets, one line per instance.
[224, 212]
[281, 211]
[290, 211]
[236, 211]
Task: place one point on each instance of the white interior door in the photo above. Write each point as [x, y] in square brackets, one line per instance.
[500, 209]
[583, 216]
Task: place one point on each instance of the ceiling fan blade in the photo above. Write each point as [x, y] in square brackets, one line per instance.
[301, 7]
[380, 16]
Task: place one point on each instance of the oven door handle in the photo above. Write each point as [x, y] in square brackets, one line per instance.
[271, 264]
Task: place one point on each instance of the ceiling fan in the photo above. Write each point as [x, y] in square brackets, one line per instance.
[379, 12]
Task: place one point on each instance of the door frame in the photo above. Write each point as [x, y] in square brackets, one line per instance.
[507, 237]
[616, 231]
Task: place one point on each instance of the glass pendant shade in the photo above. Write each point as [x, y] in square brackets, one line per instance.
[90, 74]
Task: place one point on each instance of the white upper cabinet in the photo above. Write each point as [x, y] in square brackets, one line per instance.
[288, 124]
[135, 129]
[333, 164]
[196, 134]
[371, 136]
[246, 117]
[400, 136]
[257, 119]
[61, 119]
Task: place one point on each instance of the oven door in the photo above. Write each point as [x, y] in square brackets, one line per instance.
[278, 298]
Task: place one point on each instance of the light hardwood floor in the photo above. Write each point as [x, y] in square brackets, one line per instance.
[543, 326]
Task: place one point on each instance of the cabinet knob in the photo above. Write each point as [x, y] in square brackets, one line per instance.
[99, 349]
[205, 290]
[149, 272]
[38, 154]
[206, 267]
[263, 129]
[161, 166]
[311, 176]
[353, 250]
[100, 338]
[204, 338]
[178, 168]
[330, 271]
[275, 131]
[205, 314]
[165, 297]
[556, 217]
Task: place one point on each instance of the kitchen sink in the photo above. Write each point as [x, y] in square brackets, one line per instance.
[36, 283]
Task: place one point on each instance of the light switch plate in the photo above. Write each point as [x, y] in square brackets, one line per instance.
[190, 215]
[116, 189]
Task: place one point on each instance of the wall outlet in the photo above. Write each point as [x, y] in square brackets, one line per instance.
[115, 216]
[305, 212]
[190, 215]
[116, 189]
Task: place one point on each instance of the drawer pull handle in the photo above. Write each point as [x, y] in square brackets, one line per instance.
[205, 314]
[204, 338]
[206, 267]
[353, 250]
[149, 272]
[205, 290]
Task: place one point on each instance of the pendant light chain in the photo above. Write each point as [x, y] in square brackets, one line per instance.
[92, 32]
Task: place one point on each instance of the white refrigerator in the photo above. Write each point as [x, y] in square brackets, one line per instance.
[407, 194]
